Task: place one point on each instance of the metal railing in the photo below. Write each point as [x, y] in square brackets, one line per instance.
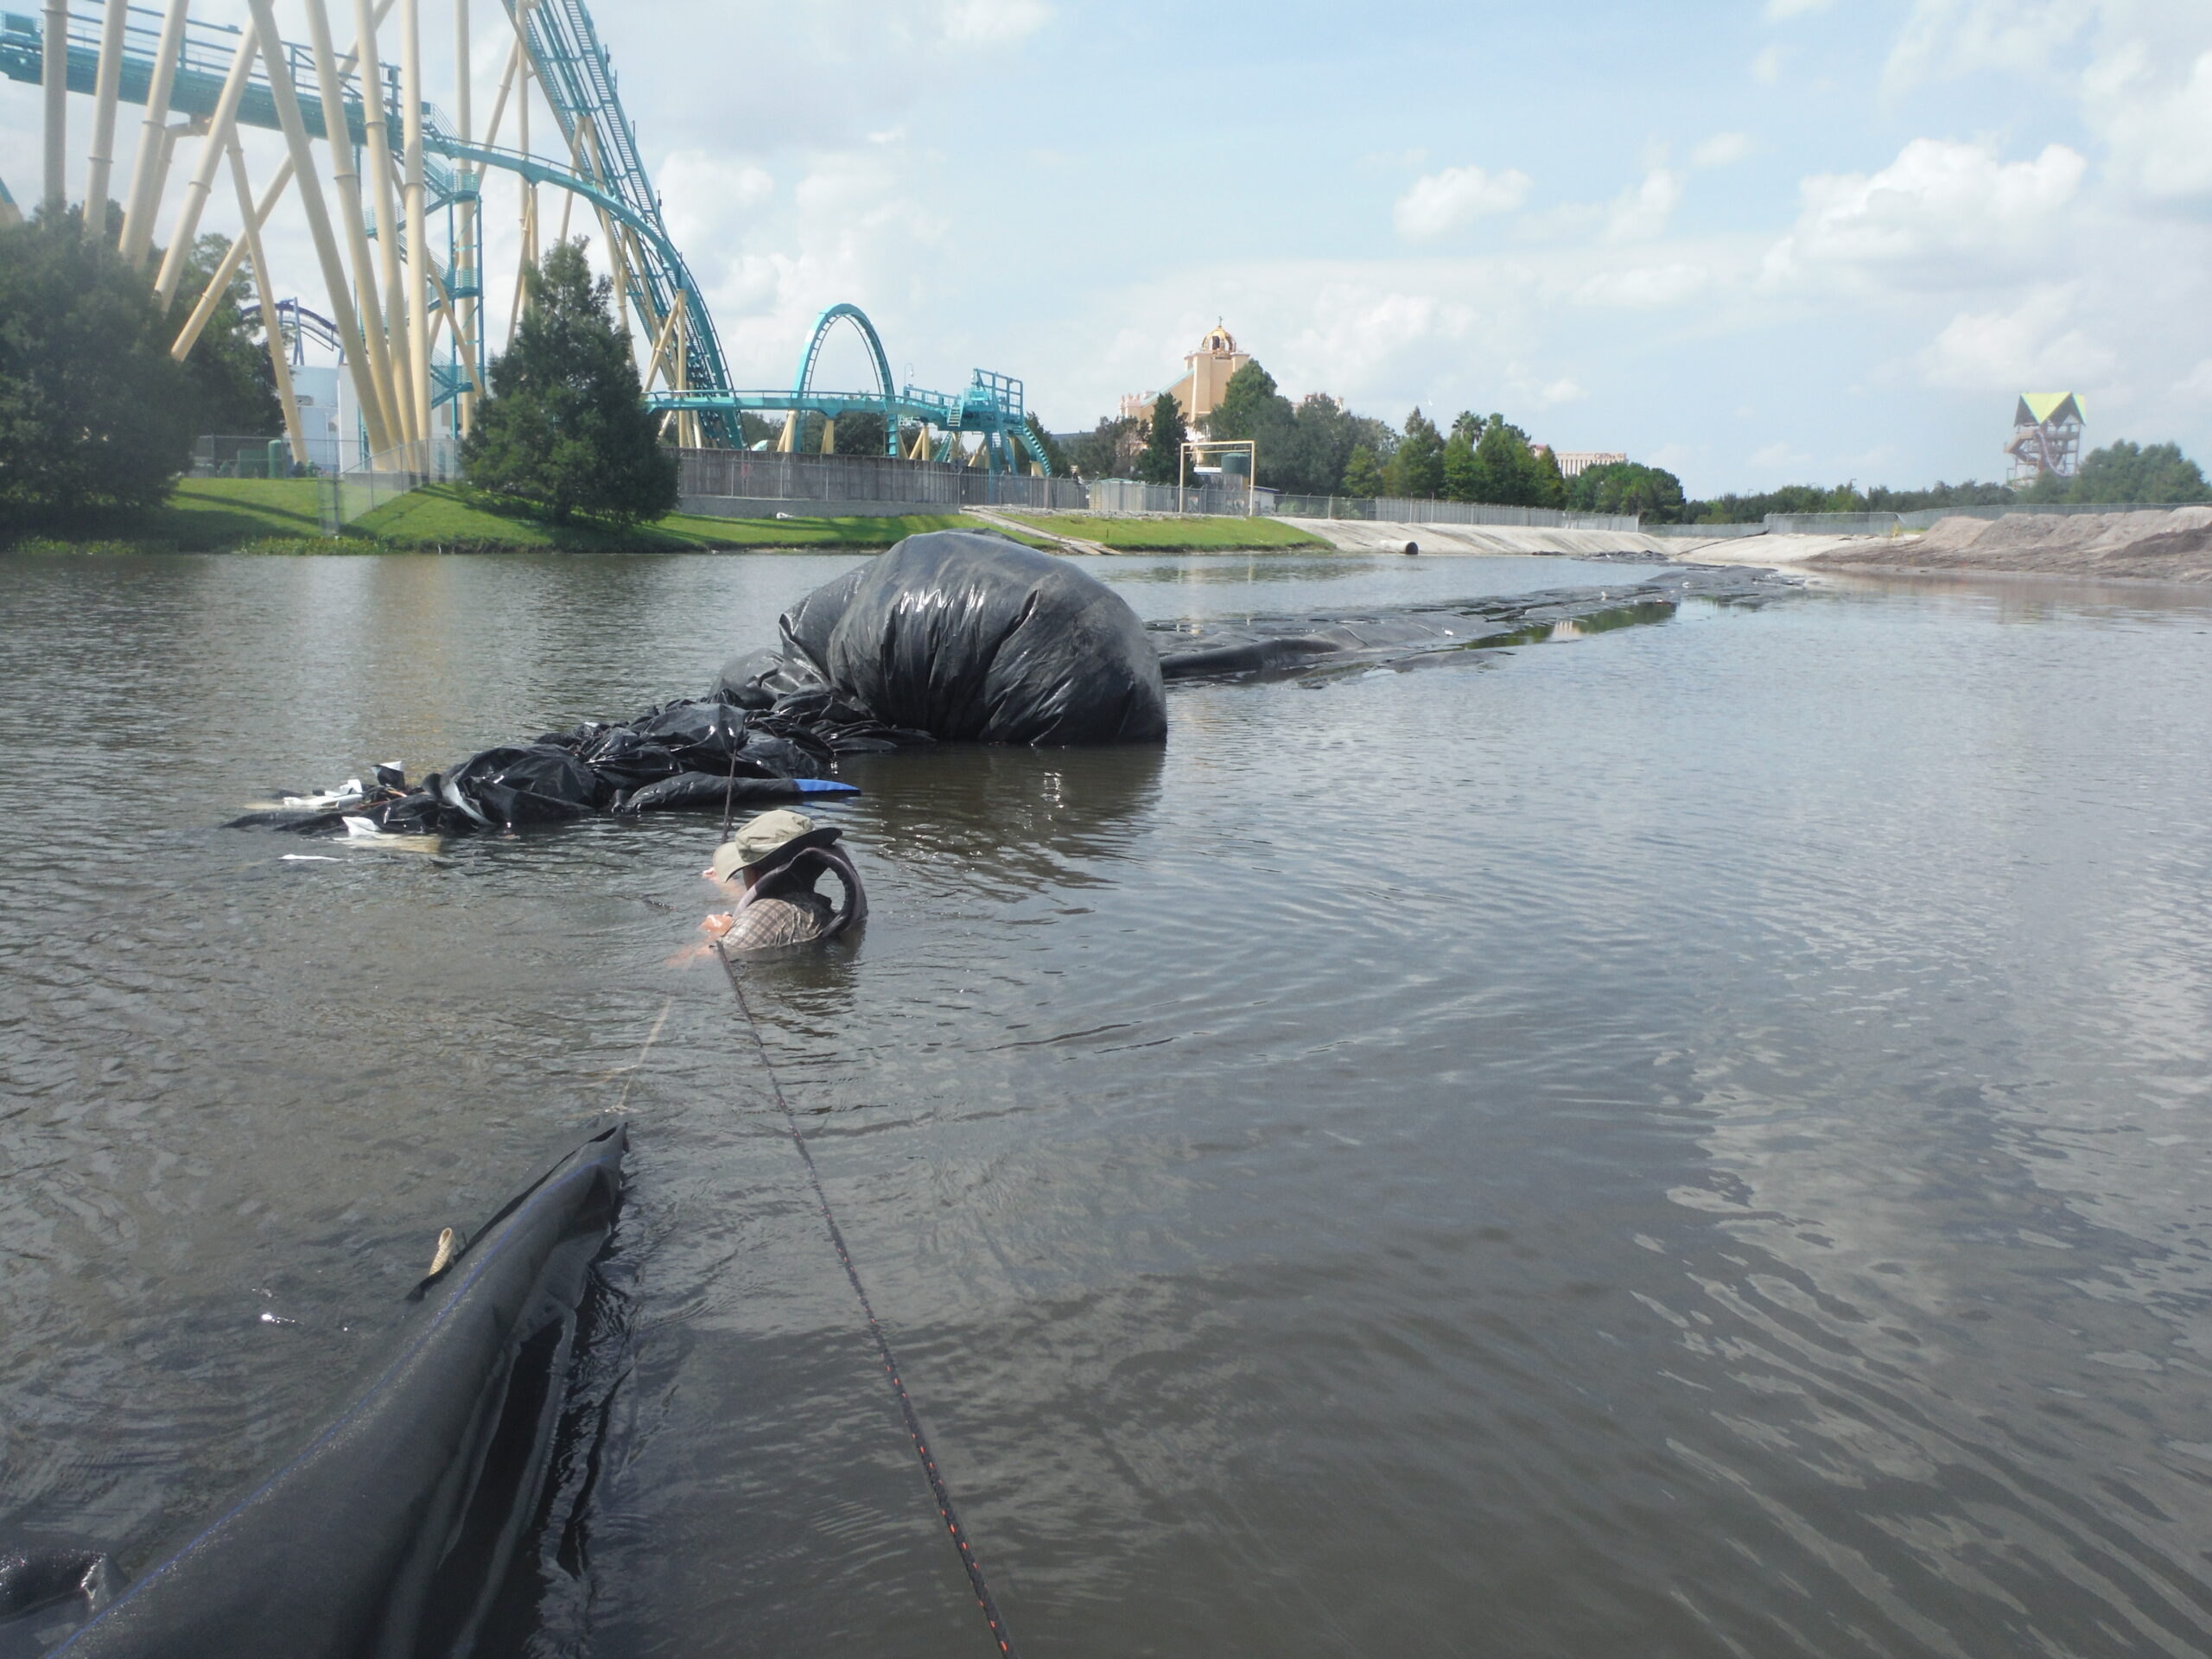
[1123, 498]
[235, 455]
[769, 476]
[983, 489]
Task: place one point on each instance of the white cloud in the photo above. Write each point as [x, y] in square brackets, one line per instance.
[1644, 287]
[1439, 203]
[2033, 344]
[2195, 387]
[704, 186]
[1777, 455]
[1766, 65]
[1722, 149]
[1942, 212]
[1945, 39]
[991, 22]
[1561, 392]
[1641, 212]
[1778, 9]
[2158, 125]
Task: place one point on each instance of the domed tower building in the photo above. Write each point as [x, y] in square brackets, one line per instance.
[1206, 374]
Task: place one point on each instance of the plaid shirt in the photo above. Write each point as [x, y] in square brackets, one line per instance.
[794, 919]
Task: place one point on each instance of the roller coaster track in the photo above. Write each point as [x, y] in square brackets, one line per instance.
[572, 72]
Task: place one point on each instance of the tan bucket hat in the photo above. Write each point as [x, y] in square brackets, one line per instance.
[759, 840]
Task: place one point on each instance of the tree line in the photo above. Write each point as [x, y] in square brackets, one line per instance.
[94, 413]
[1317, 446]
[98, 419]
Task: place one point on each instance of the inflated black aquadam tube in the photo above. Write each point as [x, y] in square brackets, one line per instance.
[395, 1531]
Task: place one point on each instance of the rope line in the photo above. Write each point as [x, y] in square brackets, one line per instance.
[975, 1568]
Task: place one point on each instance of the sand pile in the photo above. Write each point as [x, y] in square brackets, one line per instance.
[2157, 545]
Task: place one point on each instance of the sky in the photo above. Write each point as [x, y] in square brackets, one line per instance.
[1755, 242]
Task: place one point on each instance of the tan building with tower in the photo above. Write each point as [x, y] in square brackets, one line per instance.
[1206, 376]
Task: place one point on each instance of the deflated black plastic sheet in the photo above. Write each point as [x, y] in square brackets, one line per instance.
[969, 637]
[402, 1529]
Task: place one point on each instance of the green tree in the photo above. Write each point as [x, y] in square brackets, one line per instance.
[1250, 406]
[1056, 457]
[233, 386]
[1107, 450]
[860, 432]
[2128, 474]
[1461, 477]
[1418, 468]
[1362, 473]
[1627, 487]
[1161, 461]
[565, 428]
[93, 412]
[1503, 467]
[1543, 484]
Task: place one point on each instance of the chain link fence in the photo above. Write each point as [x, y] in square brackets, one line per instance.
[352, 495]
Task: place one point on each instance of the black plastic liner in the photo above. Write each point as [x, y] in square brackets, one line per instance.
[968, 637]
[1300, 646]
[656, 761]
[421, 1520]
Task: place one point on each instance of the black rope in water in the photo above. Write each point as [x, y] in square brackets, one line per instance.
[975, 1580]
[729, 794]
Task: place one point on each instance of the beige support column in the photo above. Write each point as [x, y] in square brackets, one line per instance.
[54, 76]
[286, 100]
[829, 435]
[194, 127]
[100, 164]
[188, 336]
[220, 126]
[418, 218]
[788, 443]
[294, 434]
[345, 175]
[145, 176]
[392, 323]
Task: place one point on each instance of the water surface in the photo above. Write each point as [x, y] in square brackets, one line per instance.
[1691, 1141]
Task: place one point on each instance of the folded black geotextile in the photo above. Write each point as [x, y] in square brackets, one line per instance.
[415, 1522]
[968, 636]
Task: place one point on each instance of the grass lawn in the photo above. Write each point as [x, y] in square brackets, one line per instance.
[1196, 535]
[208, 513]
[282, 515]
[441, 515]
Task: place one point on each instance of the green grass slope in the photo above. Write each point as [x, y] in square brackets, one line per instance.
[442, 515]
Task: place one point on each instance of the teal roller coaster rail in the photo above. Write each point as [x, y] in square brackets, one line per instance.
[573, 71]
[989, 408]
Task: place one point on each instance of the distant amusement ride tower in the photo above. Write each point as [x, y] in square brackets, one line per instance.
[2046, 436]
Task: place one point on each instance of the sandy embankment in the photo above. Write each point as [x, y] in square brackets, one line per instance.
[1370, 536]
[2156, 544]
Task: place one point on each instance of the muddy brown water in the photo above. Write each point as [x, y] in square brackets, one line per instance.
[1689, 1141]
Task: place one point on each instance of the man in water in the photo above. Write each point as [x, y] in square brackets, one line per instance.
[772, 864]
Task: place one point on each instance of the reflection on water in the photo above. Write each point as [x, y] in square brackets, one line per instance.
[1688, 1145]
